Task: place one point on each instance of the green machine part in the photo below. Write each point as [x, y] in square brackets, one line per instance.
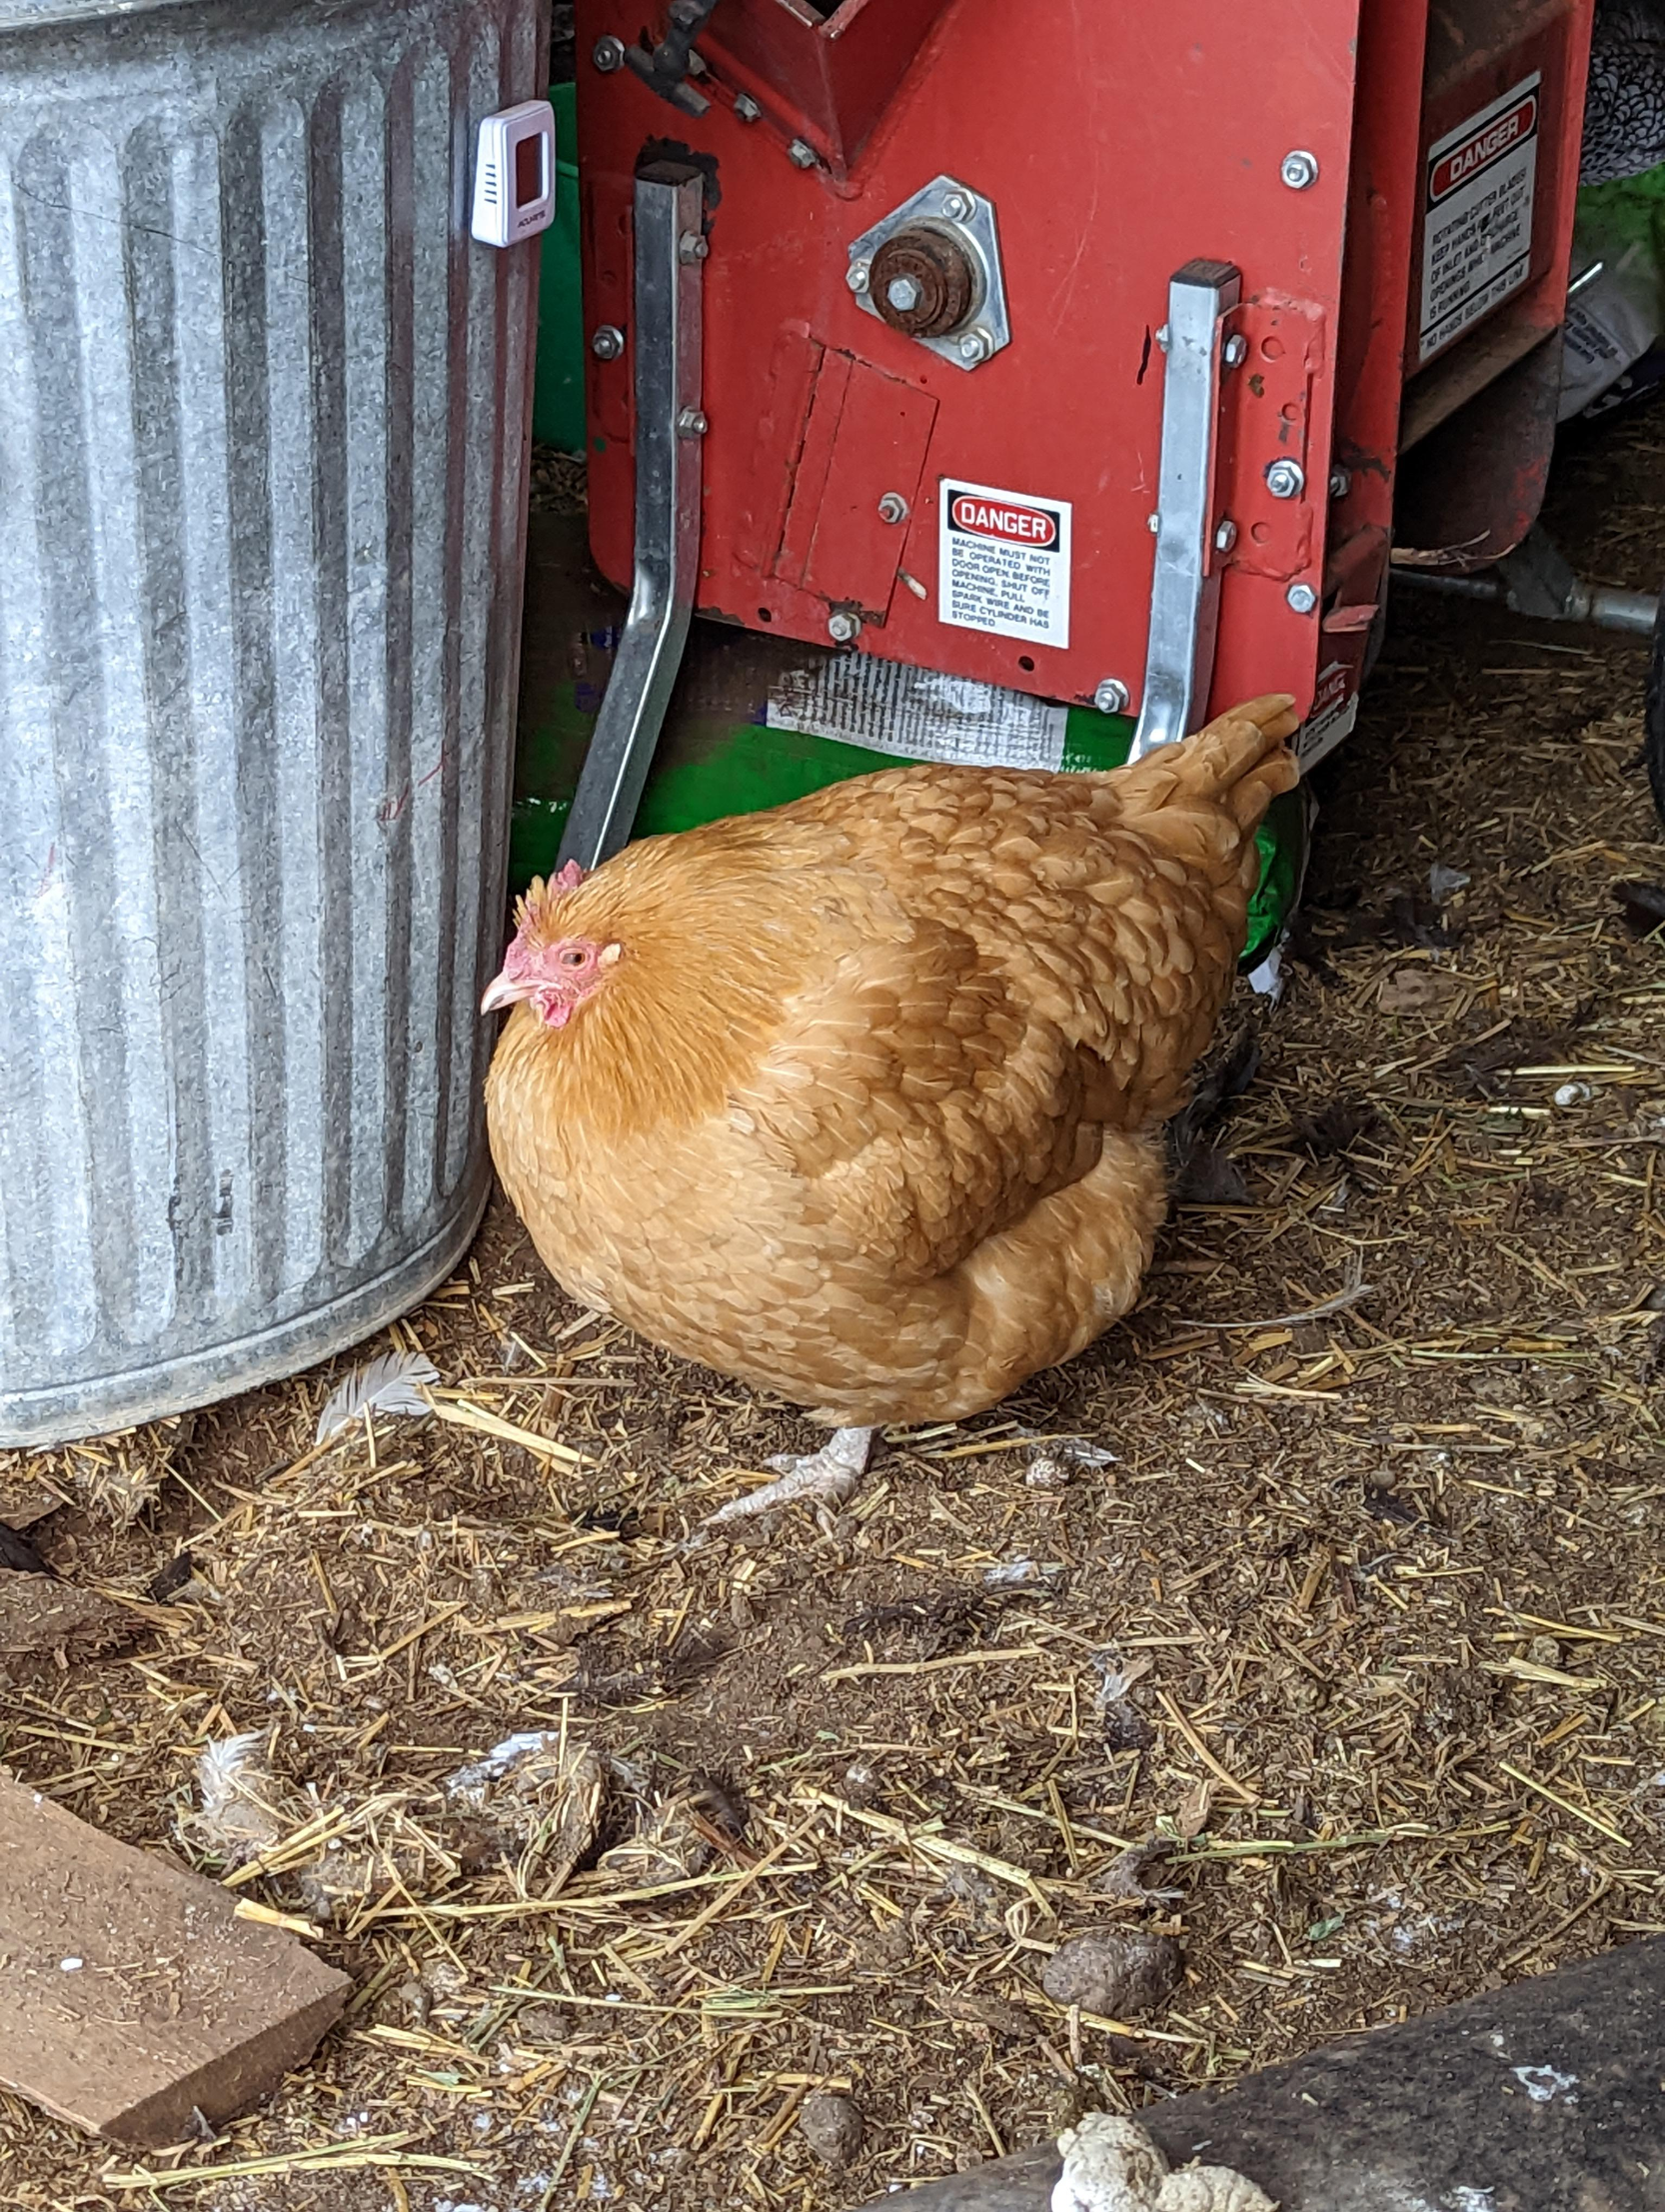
[558, 390]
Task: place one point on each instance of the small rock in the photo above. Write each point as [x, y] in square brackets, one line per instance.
[862, 1782]
[1048, 1473]
[1412, 990]
[413, 2001]
[1543, 1651]
[541, 2024]
[1574, 1093]
[1117, 1976]
[831, 2126]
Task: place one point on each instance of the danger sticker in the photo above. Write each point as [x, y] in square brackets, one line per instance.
[1334, 712]
[1478, 216]
[1005, 563]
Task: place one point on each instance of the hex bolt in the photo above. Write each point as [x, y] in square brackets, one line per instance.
[1285, 479]
[902, 294]
[976, 346]
[893, 508]
[842, 627]
[746, 108]
[608, 54]
[692, 247]
[801, 155]
[1341, 483]
[606, 342]
[1301, 598]
[1235, 352]
[1226, 536]
[690, 423]
[1111, 696]
[1298, 169]
[856, 276]
[956, 206]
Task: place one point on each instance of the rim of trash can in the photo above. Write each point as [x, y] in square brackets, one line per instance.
[29, 15]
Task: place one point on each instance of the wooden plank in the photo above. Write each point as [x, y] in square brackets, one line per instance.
[131, 1994]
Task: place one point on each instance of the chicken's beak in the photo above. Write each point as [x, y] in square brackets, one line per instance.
[505, 989]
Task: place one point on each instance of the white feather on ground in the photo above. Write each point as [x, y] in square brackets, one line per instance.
[392, 1382]
[246, 1807]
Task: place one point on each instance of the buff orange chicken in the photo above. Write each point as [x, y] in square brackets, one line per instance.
[859, 1100]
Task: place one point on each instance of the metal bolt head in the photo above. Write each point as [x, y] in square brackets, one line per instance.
[606, 342]
[1235, 351]
[690, 423]
[1161, 337]
[802, 154]
[976, 346]
[842, 627]
[956, 206]
[1226, 536]
[746, 108]
[1154, 523]
[1298, 169]
[902, 294]
[1301, 598]
[608, 54]
[1341, 483]
[1111, 696]
[1285, 479]
[893, 508]
[692, 247]
[856, 276]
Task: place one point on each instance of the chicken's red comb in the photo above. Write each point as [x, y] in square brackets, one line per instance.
[530, 904]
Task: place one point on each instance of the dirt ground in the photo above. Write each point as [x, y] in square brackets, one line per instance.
[1338, 1569]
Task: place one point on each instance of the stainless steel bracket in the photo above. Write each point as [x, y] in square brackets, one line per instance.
[670, 428]
[1185, 586]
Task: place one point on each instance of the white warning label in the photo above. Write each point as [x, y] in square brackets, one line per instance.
[1335, 711]
[918, 714]
[1005, 563]
[1477, 214]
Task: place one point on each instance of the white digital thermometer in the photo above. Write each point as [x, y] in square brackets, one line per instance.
[513, 174]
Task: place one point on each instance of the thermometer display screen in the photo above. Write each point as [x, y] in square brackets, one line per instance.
[529, 170]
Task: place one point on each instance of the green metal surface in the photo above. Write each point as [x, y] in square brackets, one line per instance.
[557, 393]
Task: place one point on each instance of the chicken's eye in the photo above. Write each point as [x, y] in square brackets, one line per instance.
[574, 957]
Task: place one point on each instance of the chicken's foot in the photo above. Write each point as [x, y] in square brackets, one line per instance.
[824, 1478]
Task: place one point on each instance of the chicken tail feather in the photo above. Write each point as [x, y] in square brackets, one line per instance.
[1235, 767]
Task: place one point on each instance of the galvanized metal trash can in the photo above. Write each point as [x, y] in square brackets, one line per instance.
[263, 412]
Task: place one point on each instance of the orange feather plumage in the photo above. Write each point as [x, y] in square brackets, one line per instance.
[863, 1111]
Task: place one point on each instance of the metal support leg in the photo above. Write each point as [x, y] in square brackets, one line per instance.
[669, 258]
[1185, 589]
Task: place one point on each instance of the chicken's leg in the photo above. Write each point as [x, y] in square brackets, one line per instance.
[825, 1478]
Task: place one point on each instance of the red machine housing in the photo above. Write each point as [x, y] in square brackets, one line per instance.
[1397, 349]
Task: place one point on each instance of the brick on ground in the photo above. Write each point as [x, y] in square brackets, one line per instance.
[132, 1995]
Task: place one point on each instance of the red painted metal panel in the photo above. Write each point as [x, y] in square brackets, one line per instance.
[1115, 142]
[825, 80]
[865, 440]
